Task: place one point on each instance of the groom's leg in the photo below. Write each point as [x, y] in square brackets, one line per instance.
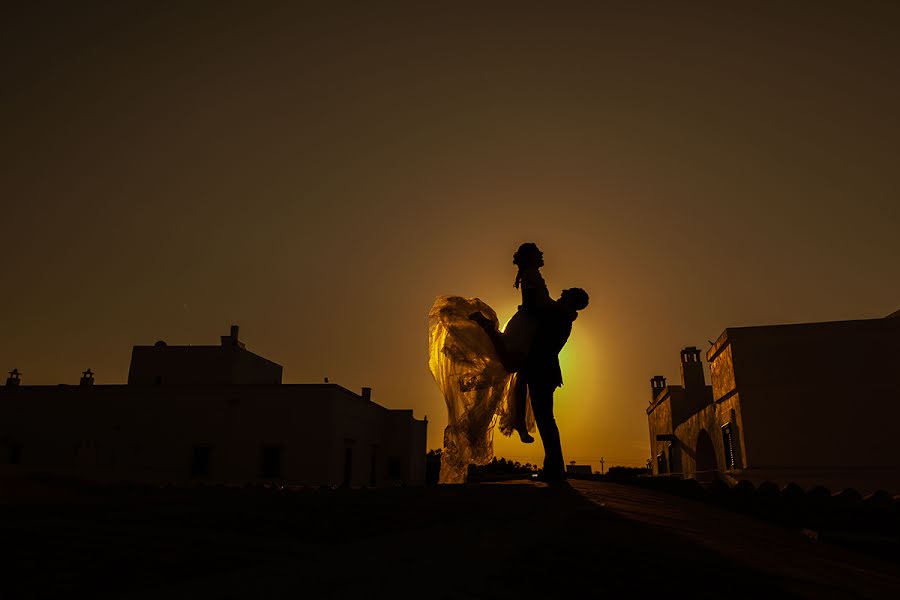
[520, 397]
[542, 405]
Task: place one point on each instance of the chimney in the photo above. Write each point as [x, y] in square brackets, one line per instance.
[87, 378]
[367, 393]
[232, 338]
[13, 379]
[657, 385]
[692, 369]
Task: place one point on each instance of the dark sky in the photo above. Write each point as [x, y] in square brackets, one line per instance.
[319, 174]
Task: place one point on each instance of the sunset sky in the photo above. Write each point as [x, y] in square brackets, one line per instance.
[319, 175]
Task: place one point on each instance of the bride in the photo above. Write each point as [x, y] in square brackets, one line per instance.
[477, 375]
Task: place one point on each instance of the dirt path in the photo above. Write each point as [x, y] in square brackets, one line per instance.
[801, 562]
[515, 540]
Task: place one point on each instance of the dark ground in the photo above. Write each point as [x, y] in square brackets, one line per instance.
[587, 539]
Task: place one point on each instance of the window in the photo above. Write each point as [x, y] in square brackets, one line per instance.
[395, 467]
[348, 466]
[662, 466]
[728, 443]
[14, 454]
[271, 462]
[373, 467]
[200, 461]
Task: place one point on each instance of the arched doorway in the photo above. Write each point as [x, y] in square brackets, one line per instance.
[707, 465]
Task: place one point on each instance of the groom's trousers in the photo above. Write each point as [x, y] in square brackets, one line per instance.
[541, 390]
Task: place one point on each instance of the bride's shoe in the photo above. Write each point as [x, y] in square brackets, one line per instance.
[525, 436]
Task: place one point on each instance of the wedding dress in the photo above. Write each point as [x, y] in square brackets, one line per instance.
[477, 388]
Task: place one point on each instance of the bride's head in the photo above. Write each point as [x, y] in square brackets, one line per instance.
[528, 255]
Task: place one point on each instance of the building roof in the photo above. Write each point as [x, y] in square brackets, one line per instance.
[664, 395]
[731, 333]
[229, 362]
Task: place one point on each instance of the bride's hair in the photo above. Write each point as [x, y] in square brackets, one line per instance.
[528, 255]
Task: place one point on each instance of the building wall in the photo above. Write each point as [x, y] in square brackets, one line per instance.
[659, 417]
[248, 367]
[359, 427]
[671, 407]
[688, 402]
[816, 403]
[149, 433]
[728, 402]
[799, 426]
[711, 419]
[418, 440]
[183, 365]
[721, 372]
[815, 395]
[405, 443]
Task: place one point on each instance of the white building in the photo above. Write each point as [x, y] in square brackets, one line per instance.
[208, 413]
[811, 403]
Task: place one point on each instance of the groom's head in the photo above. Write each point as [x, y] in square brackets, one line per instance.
[574, 298]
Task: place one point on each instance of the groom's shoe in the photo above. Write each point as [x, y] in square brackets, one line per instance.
[525, 436]
[552, 478]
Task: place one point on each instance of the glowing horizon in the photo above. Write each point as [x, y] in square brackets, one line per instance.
[319, 177]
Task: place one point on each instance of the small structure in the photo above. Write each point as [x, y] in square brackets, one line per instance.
[209, 413]
[675, 406]
[573, 469]
[814, 403]
[228, 363]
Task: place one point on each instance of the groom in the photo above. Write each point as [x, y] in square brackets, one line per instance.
[541, 371]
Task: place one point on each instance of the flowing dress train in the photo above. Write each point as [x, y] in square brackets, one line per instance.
[478, 390]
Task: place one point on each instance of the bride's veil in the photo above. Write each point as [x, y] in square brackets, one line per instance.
[476, 387]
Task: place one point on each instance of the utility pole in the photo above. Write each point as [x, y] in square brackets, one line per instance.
[601, 465]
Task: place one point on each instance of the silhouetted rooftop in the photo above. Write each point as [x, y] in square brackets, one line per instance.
[822, 327]
[229, 362]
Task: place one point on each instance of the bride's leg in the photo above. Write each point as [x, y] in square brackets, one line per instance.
[520, 398]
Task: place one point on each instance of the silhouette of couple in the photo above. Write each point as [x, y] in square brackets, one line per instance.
[494, 375]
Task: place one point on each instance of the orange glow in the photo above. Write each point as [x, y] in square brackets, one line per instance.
[320, 177]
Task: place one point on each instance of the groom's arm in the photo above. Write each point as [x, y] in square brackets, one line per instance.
[496, 338]
[491, 330]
